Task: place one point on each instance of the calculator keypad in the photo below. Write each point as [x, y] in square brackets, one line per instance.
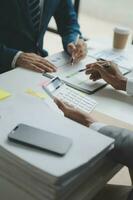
[76, 99]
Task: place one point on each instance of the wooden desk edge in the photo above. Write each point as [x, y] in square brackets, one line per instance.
[100, 117]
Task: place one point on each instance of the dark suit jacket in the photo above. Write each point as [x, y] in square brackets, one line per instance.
[17, 31]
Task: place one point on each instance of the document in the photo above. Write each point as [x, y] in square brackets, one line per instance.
[74, 76]
[121, 58]
[102, 48]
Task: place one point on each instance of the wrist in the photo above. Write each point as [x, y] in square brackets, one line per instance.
[14, 61]
[123, 84]
[89, 121]
[18, 60]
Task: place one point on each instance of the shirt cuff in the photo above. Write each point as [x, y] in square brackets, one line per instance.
[129, 87]
[13, 64]
[97, 126]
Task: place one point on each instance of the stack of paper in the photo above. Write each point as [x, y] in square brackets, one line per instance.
[44, 175]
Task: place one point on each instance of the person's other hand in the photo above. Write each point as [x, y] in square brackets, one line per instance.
[35, 62]
[73, 113]
[109, 72]
[78, 51]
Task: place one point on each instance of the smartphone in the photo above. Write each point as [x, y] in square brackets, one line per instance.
[54, 84]
[40, 139]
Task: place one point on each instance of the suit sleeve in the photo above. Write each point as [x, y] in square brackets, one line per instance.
[6, 58]
[66, 20]
[123, 151]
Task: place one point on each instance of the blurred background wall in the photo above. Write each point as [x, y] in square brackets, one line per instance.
[116, 11]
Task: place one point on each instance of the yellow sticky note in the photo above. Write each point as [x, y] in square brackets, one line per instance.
[36, 94]
[4, 94]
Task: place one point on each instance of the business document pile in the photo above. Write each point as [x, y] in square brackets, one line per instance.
[43, 175]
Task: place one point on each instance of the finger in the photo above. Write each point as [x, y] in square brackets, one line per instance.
[90, 65]
[90, 71]
[43, 67]
[105, 74]
[78, 56]
[60, 104]
[81, 45]
[48, 64]
[82, 55]
[35, 68]
[79, 50]
[94, 77]
[44, 61]
[94, 66]
[71, 48]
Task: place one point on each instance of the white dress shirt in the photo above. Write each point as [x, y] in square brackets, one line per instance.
[129, 87]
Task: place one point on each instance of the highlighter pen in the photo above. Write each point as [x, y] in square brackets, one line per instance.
[76, 41]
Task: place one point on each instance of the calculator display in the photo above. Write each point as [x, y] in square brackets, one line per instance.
[54, 84]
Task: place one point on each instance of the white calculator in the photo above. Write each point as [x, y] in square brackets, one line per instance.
[57, 88]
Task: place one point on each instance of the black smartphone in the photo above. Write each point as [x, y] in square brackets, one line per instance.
[41, 139]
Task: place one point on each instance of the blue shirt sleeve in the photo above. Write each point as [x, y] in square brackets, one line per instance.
[67, 24]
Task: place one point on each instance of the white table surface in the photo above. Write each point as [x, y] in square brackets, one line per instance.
[17, 82]
[113, 103]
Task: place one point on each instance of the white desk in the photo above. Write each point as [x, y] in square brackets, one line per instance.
[17, 82]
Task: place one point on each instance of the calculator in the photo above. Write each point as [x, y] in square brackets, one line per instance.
[79, 100]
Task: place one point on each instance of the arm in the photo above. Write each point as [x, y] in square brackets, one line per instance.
[67, 24]
[111, 75]
[68, 28]
[10, 58]
[123, 151]
[6, 58]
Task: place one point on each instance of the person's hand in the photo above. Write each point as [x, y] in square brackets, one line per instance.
[35, 62]
[109, 72]
[73, 113]
[77, 51]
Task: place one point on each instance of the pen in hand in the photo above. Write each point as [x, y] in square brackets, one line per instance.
[104, 64]
[73, 57]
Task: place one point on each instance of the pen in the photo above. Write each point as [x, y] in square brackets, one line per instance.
[81, 70]
[84, 69]
[76, 41]
[106, 65]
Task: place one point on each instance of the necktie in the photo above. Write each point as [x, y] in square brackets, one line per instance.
[35, 12]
